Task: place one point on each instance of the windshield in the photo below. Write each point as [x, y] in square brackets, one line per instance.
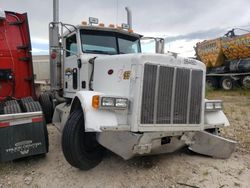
[104, 42]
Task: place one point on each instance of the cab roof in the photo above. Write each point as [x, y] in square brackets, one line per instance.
[109, 29]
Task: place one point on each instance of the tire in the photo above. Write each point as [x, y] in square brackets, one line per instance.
[47, 106]
[35, 107]
[212, 82]
[245, 82]
[32, 107]
[2, 105]
[12, 109]
[227, 83]
[25, 100]
[80, 148]
[11, 103]
[46, 137]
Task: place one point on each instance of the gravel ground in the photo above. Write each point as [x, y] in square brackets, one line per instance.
[180, 169]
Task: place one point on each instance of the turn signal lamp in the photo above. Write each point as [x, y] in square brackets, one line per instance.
[95, 101]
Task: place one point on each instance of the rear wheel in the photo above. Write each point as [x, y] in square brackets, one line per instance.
[11, 102]
[212, 82]
[226, 83]
[35, 107]
[32, 107]
[245, 82]
[47, 106]
[12, 109]
[80, 148]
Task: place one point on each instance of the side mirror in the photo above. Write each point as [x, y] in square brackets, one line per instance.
[152, 45]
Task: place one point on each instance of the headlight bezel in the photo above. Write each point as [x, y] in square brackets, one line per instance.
[112, 103]
[213, 105]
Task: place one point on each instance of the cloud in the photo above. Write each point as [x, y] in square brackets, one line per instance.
[39, 40]
[37, 51]
[175, 20]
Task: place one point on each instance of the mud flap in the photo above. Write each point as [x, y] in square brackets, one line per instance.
[22, 135]
[212, 145]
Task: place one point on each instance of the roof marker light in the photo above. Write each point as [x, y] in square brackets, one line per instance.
[101, 24]
[112, 25]
[118, 27]
[84, 23]
[130, 30]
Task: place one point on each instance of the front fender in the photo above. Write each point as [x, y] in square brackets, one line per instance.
[215, 119]
[94, 118]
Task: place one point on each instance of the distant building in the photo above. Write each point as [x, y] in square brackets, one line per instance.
[42, 73]
[41, 67]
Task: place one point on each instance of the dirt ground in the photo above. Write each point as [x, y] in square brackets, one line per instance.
[180, 169]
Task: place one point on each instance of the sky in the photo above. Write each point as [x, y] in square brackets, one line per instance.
[182, 23]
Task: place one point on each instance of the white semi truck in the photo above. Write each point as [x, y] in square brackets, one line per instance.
[111, 96]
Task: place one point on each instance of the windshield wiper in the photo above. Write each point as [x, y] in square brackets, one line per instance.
[99, 52]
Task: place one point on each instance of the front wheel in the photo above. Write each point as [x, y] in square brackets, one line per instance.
[80, 148]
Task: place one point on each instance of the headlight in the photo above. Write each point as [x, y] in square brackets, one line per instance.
[213, 105]
[121, 103]
[218, 105]
[109, 102]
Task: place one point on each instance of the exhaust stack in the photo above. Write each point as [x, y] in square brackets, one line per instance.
[56, 11]
[129, 17]
[55, 50]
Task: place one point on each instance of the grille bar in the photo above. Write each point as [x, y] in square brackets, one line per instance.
[171, 95]
[181, 96]
[196, 97]
[165, 95]
[148, 94]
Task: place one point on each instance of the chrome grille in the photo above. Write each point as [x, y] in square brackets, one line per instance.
[181, 96]
[171, 95]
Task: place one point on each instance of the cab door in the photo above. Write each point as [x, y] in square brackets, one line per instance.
[71, 71]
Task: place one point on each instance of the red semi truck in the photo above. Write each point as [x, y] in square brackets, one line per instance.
[23, 130]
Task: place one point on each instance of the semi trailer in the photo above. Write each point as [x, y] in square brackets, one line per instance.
[23, 131]
[110, 96]
[227, 60]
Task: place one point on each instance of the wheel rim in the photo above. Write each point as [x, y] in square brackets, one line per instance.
[227, 84]
[246, 82]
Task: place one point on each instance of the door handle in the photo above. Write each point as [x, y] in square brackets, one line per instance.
[79, 63]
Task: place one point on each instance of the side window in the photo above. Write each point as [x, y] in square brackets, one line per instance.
[71, 46]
